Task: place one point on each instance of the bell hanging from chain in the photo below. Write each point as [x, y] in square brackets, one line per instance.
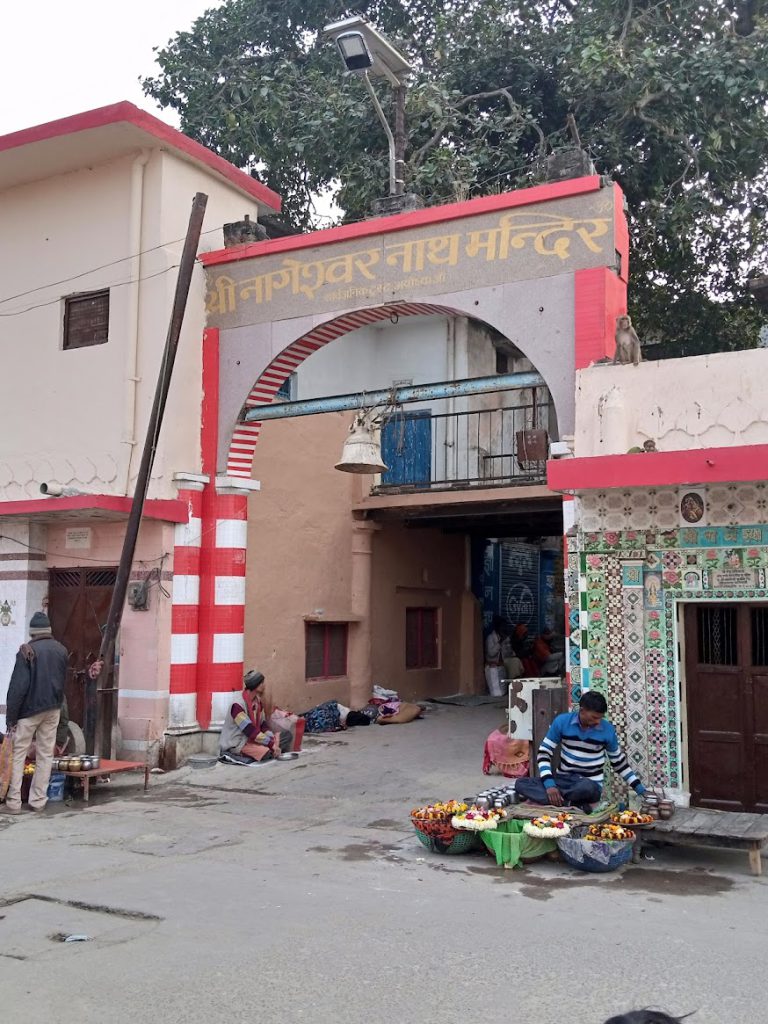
[362, 449]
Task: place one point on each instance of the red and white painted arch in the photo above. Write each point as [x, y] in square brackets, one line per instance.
[246, 435]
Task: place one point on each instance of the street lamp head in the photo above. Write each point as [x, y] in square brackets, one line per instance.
[354, 52]
[363, 48]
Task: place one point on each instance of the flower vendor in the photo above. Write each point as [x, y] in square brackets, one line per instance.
[584, 737]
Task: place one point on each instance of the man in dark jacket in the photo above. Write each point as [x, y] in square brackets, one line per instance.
[33, 706]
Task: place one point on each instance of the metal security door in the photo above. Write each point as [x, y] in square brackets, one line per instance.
[78, 604]
[727, 703]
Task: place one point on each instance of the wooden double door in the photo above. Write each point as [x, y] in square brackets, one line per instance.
[727, 704]
[78, 604]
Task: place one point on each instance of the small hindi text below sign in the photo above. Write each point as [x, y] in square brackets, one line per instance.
[535, 241]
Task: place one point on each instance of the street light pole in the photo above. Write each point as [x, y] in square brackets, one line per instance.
[391, 139]
[400, 141]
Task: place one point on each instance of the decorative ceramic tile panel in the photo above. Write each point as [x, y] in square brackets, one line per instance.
[631, 579]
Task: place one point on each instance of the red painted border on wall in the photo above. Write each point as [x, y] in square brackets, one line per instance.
[124, 111]
[600, 297]
[169, 510]
[209, 421]
[414, 219]
[660, 469]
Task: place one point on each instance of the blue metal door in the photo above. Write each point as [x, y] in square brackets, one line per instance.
[406, 447]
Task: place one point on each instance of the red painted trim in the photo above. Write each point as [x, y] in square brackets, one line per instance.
[228, 562]
[231, 506]
[184, 618]
[207, 603]
[209, 420]
[229, 618]
[222, 677]
[660, 469]
[116, 113]
[599, 297]
[414, 219]
[183, 679]
[186, 560]
[169, 510]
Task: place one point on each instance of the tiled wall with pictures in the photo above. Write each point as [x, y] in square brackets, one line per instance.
[630, 580]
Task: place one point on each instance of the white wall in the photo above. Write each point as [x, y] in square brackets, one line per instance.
[696, 402]
[414, 349]
[63, 413]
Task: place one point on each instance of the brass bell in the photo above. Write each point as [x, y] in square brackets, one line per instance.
[362, 449]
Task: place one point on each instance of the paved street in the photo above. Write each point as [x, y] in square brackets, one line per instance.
[296, 892]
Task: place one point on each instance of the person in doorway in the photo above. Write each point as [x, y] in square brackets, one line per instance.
[33, 709]
[246, 733]
[548, 661]
[584, 737]
[494, 659]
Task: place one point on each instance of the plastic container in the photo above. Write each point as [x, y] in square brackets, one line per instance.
[56, 787]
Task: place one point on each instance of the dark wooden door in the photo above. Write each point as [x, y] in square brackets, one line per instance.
[727, 704]
[78, 603]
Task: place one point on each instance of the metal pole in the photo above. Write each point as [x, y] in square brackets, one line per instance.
[390, 137]
[102, 730]
[393, 396]
[400, 140]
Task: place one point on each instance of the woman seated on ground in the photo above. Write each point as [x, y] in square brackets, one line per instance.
[245, 732]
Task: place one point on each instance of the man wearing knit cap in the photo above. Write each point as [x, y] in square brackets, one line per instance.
[33, 705]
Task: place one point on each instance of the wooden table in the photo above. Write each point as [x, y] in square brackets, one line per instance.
[109, 768]
[696, 826]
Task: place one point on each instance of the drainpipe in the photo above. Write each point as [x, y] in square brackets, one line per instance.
[131, 374]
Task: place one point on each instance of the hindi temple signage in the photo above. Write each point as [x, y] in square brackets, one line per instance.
[534, 241]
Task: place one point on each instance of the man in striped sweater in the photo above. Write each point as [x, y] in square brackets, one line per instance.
[584, 738]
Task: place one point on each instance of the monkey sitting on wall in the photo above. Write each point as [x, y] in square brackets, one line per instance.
[627, 342]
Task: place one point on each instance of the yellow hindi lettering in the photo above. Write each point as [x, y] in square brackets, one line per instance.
[221, 298]
[444, 250]
[411, 253]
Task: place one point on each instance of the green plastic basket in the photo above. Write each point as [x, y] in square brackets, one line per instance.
[462, 842]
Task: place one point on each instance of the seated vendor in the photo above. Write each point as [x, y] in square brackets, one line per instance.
[245, 731]
[584, 737]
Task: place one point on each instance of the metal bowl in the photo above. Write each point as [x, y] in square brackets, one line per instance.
[202, 760]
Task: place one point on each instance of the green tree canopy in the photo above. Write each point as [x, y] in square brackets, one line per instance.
[670, 99]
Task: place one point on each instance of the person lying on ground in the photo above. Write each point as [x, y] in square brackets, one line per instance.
[584, 737]
[245, 731]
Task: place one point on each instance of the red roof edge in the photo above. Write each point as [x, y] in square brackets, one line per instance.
[742, 463]
[169, 510]
[412, 219]
[125, 111]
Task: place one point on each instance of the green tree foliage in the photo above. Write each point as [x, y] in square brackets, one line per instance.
[670, 98]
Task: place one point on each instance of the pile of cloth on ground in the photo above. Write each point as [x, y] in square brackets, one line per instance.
[384, 707]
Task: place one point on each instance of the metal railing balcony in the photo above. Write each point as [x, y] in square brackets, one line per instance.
[468, 449]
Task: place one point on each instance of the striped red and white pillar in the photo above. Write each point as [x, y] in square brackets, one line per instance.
[222, 597]
[185, 606]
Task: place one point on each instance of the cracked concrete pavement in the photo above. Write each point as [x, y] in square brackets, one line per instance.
[298, 892]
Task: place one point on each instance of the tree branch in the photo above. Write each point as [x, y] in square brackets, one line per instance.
[516, 114]
[625, 26]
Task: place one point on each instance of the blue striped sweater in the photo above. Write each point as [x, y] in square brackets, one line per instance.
[582, 752]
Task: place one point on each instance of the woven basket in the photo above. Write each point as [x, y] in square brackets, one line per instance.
[443, 831]
[462, 842]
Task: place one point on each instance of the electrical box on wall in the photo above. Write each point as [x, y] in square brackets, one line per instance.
[138, 596]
